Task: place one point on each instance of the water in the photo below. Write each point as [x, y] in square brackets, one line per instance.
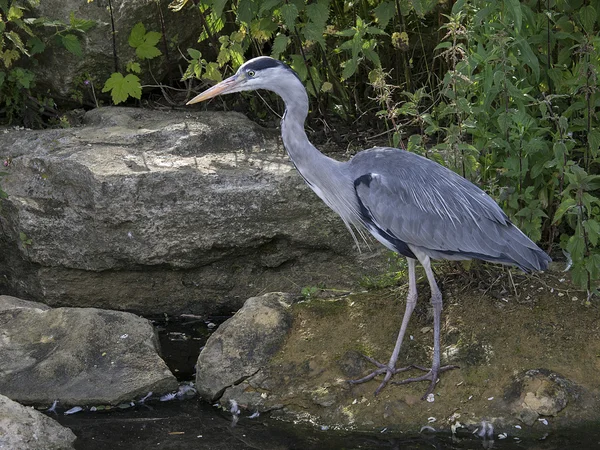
[193, 424]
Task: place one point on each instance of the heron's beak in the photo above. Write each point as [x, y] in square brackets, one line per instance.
[224, 87]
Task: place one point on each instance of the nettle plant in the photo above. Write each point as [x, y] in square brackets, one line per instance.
[21, 39]
[518, 110]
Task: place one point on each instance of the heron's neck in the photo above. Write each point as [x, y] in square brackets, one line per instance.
[328, 178]
[310, 162]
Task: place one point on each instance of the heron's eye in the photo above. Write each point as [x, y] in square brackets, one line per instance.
[251, 73]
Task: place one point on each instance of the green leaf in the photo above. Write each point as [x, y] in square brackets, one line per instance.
[72, 44]
[443, 45]
[289, 12]
[563, 208]
[195, 54]
[121, 88]
[458, 6]
[14, 12]
[375, 30]
[146, 51]
[587, 15]
[23, 77]
[349, 68]
[35, 45]
[504, 121]
[592, 264]
[245, 11]
[384, 12]
[594, 141]
[218, 6]
[133, 67]
[576, 247]
[268, 5]
[24, 239]
[318, 13]
[16, 40]
[299, 66]
[372, 56]
[529, 57]
[314, 32]
[514, 9]
[152, 37]
[81, 25]
[346, 33]
[280, 43]
[592, 228]
[579, 275]
[136, 37]
[212, 72]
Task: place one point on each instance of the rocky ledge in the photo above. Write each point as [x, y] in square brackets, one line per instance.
[163, 212]
[528, 366]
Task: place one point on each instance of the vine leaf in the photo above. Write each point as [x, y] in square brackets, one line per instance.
[121, 88]
[144, 42]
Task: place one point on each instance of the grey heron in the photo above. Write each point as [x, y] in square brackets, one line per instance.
[410, 204]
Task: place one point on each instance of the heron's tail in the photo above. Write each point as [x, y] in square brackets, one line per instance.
[521, 251]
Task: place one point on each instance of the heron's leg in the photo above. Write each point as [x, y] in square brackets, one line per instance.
[436, 302]
[390, 368]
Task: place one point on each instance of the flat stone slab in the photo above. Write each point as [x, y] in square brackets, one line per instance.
[80, 356]
[163, 211]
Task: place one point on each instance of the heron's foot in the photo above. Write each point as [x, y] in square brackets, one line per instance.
[386, 369]
[431, 376]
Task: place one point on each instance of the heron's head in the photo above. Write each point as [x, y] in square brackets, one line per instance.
[263, 72]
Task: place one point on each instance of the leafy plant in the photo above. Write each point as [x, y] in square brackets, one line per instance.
[122, 87]
[22, 38]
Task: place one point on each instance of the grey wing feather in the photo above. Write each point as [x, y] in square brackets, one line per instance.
[427, 206]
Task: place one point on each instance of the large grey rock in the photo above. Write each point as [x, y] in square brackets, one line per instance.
[24, 428]
[242, 345]
[163, 211]
[77, 355]
[58, 70]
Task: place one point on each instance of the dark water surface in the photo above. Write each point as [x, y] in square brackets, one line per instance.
[193, 424]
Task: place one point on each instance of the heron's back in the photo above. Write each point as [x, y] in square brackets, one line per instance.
[413, 204]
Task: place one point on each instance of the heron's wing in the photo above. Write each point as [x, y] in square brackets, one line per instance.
[419, 203]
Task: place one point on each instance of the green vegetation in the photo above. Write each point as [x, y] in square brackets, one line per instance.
[21, 39]
[504, 93]
[122, 87]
